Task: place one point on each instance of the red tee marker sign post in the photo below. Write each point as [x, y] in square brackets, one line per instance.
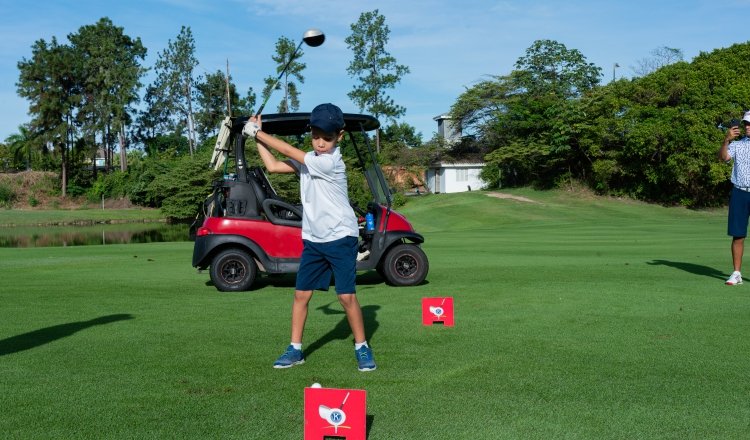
[437, 310]
[332, 412]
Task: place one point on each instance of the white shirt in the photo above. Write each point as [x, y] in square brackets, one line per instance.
[739, 151]
[326, 213]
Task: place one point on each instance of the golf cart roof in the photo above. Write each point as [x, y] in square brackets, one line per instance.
[292, 124]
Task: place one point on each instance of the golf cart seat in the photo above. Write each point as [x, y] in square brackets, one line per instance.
[282, 213]
[276, 210]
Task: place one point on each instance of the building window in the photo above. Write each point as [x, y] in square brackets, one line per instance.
[462, 175]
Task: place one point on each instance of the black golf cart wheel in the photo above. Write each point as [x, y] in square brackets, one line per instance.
[405, 265]
[233, 270]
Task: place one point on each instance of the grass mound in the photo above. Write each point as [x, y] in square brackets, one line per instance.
[32, 189]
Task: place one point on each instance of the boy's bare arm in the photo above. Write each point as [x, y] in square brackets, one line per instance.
[280, 146]
[253, 129]
[272, 164]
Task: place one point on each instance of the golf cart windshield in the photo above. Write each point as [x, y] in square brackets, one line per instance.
[373, 174]
[296, 124]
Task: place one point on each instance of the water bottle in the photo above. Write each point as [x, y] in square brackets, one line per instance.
[369, 223]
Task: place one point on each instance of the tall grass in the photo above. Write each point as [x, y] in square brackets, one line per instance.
[576, 317]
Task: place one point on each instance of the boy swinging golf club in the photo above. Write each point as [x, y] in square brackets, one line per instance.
[329, 226]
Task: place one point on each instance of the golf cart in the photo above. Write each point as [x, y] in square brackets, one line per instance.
[245, 227]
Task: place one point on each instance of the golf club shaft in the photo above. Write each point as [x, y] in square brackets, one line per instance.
[289, 63]
[342, 403]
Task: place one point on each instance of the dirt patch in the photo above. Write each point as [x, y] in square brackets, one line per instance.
[511, 196]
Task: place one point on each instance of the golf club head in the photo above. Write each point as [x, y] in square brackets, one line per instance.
[314, 37]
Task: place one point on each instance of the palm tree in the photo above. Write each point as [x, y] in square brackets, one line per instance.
[23, 145]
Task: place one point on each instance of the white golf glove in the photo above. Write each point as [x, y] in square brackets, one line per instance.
[251, 129]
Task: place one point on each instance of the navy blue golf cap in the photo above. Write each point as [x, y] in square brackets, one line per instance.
[327, 117]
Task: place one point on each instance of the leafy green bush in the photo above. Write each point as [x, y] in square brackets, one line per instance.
[112, 185]
[398, 199]
[75, 190]
[7, 196]
[183, 188]
[141, 191]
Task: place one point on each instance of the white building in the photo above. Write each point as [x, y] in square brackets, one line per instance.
[447, 177]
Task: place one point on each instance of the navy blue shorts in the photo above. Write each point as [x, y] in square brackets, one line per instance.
[321, 260]
[739, 211]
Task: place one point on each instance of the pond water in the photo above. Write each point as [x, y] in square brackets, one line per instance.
[103, 234]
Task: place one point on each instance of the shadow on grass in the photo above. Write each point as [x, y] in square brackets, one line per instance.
[695, 269]
[46, 335]
[370, 420]
[342, 330]
[370, 278]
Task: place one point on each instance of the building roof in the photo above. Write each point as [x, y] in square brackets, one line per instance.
[456, 164]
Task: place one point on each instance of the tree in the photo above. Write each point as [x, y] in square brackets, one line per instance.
[214, 102]
[110, 76]
[660, 57]
[373, 67]
[154, 119]
[50, 80]
[657, 134]
[396, 141]
[478, 109]
[246, 105]
[23, 146]
[529, 120]
[548, 67]
[284, 50]
[172, 91]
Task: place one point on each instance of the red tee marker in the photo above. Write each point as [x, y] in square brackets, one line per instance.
[332, 412]
[437, 310]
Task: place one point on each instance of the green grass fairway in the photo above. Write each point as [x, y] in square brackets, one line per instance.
[24, 217]
[576, 318]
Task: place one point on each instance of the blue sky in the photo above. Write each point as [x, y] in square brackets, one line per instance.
[448, 45]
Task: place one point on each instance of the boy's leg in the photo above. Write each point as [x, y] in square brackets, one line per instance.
[299, 313]
[362, 352]
[353, 315]
[343, 259]
[293, 354]
[313, 273]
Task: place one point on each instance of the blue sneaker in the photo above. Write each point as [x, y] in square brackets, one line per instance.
[365, 361]
[290, 358]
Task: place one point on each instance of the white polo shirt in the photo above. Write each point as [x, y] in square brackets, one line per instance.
[326, 213]
[739, 151]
